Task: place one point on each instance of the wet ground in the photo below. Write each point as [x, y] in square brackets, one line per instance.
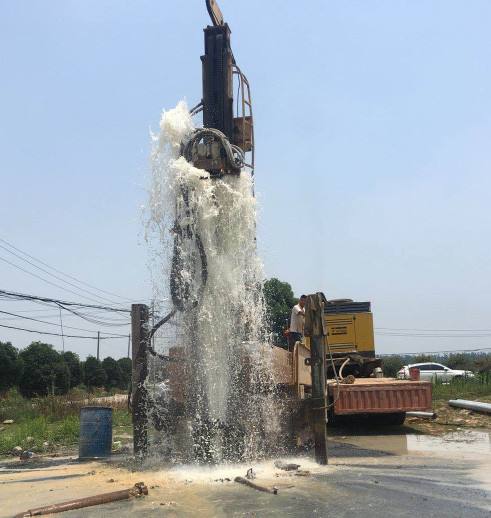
[396, 475]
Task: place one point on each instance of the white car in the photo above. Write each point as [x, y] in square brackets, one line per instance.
[434, 372]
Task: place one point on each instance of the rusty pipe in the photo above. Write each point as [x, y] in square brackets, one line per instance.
[137, 490]
[242, 480]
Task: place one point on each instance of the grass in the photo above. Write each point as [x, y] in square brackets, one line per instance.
[470, 388]
[53, 420]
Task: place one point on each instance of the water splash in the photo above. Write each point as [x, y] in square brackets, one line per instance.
[215, 400]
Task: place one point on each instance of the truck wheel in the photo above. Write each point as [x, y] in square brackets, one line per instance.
[393, 419]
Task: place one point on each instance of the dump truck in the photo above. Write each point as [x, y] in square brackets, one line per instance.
[355, 384]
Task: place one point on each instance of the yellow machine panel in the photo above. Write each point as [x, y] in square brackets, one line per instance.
[350, 332]
[350, 328]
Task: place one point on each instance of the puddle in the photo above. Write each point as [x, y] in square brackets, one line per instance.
[466, 441]
[264, 470]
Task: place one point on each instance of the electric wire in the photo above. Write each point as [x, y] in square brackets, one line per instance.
[437, 352]
[104, 299]
[433, 330]
[54, 324]
[66, 336]
[62, 273]
[75, 308]
[422, 335]
[24, 296]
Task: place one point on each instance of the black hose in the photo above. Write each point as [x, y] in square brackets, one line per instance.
[178, 287]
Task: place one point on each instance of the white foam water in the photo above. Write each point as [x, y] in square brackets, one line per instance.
[202, 232]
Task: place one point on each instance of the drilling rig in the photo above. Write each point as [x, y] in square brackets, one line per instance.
[222, 148]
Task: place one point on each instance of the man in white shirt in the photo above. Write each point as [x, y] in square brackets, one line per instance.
[297, 321]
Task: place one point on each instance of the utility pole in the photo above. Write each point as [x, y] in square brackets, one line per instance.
[62, 336]
[139, 371]
[129, 343]
[98, 343]
[316, 329]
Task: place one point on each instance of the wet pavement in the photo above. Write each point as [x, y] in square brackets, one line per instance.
[395, 475]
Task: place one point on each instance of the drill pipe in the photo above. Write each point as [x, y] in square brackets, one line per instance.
[135, 491]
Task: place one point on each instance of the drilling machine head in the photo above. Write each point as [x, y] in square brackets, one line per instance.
[220, 147]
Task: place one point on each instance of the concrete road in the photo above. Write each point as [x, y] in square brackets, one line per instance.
[378, 475]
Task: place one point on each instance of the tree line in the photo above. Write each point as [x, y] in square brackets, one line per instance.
[40, 370]
[477, 362]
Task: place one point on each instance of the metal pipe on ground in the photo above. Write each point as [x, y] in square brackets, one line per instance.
[137, 490]
[422, 415]
[477, 406]
[242, 480]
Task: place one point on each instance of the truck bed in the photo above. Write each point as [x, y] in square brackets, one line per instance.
[380, 395]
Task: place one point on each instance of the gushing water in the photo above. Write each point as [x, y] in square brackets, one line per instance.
[212, 397]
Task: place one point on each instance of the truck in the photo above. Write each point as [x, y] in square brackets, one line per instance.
[355, 384]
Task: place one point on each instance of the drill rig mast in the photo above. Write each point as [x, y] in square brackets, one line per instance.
[220, 147]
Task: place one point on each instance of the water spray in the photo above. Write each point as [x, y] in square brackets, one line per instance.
[217, 402]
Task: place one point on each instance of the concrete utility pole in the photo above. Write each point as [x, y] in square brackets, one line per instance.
[316, 329]
[98, 343]
[139, 333]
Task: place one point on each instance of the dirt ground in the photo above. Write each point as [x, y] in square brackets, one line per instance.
[450, 419]
[423, 468]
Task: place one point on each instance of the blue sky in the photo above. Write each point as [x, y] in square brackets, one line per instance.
[373, 131]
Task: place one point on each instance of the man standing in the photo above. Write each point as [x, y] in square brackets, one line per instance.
[297, 321]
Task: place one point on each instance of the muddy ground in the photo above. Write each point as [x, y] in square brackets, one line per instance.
[421, 469]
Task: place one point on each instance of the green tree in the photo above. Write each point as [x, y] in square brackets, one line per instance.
[279, 300]
[72, 361]
[113, 372]
[95, 375]
[483, 364]
[422, 358]
[460, 361]
[11, 366]
[391, 364]
[125, 366]
[45, 372]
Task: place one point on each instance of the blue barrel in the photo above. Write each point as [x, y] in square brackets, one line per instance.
[96, 432]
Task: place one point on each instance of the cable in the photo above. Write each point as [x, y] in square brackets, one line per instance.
[104, 299]
[438, 352]
[436, 330]
[66, 336]
[46, 280]
[62, 273]
[235, 155]
[23, 296]
[67, 306]
[416, 335]
[54, 324]
[330, 405]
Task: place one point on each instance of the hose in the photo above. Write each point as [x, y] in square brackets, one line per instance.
[342, 367]
[235, 155]
[330, 405]
[178, 287]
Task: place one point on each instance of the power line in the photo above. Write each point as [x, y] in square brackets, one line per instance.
[23, 296]
[45, 280]
[432, 330]
[62, 273]
[68, 306]
[422, 335]
[58, 334]
[438, 352]
[56, 316]
[54, 324]
[104, 299]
